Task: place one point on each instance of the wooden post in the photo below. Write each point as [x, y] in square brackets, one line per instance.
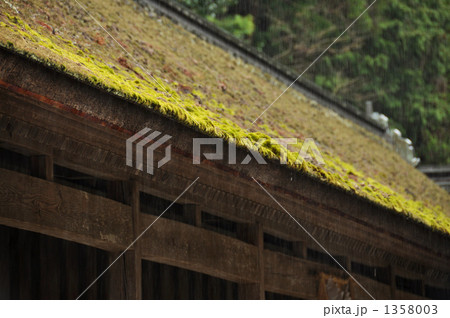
[348, 263]
[193, 213]
[42, 167]
[134, 263]
[124, 277]
[422, 287]
[253, 234]
[392, 281]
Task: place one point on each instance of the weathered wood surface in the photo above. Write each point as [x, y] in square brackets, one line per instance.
[134, 261]
[376, 289]
[349, 214]
[58, 123]
[292, 276]
[185, 246]
[121, 278]
[253, 234]
[248, 204]
[41, 206]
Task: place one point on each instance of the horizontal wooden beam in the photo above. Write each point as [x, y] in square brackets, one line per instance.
[376, 289]
[38, 205]
[178, 244]
[105, 157]
[291, 276]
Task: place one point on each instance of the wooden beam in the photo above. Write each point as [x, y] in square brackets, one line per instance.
[376, 289]
[294, 276]
[48, 118]
[291, 276]
[178, 244]
[45, 207]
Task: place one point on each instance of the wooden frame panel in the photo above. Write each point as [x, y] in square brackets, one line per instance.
[200, 250]
[46, 207]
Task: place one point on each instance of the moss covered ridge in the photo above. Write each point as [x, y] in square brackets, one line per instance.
[135, 85]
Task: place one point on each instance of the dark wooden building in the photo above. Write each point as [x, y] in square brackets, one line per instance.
[69, 204]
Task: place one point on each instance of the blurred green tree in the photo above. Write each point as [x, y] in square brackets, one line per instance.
[396, 55]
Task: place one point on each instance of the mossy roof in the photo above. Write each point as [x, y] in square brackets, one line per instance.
[203, 86]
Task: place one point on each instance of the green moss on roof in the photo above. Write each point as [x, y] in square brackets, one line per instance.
[204, 87]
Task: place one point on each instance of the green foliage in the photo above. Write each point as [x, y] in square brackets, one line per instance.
[397, 55]
[216, 11]
[237, 25]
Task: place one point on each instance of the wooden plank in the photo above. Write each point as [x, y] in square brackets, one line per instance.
[120, 282]
[378, 290]
[253, 233]
[392, 283]
[291, 276]
[35, 266]
[50, 276]
[115, 278]
[294, 276]
[25, 265]
[5, 259]
[91, 273]
[41, 206]
[182, 287]
[149, 280]
[124, 278]
[198, 286]
[72, 272]
[167, 286]
[299, 278]
[42, 167]
[131, 289]
[135, 272]
[14, 259]
[189, 247]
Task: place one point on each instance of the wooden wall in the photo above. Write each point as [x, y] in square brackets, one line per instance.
[63, 175]
[37, 266]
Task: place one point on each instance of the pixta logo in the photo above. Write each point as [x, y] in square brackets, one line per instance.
[144, 139]
[147, 140]
[308, 151]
